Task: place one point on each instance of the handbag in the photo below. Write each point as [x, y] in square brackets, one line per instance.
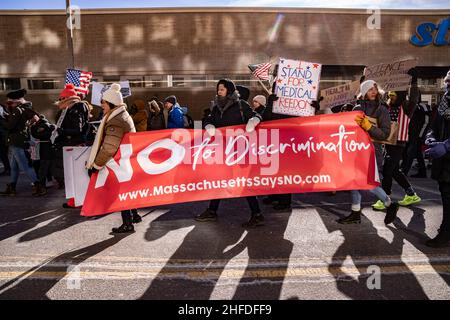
[393, 135]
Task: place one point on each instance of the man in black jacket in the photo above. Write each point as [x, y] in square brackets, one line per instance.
[18, 138]
[438, 139]
[228, 110]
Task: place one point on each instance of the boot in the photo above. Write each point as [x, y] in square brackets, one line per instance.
[441, 240]
[353, 217]
[207, 215]
[391, 213]
[39, 189]
[127, 225]
[10, 190]
[256, 220]
[136, 217]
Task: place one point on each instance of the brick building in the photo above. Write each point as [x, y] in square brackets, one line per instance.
[185, 51]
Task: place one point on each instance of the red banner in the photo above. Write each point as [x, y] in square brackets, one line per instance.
[296, 155]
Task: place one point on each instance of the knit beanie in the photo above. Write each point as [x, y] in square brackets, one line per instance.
[113, 95]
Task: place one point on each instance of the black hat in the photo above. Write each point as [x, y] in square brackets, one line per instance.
[15, 95]
[227, 83]
[171, 99]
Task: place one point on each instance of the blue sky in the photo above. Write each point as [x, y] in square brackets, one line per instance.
[383, 4]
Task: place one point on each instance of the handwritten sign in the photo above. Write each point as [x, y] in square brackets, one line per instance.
[297, 86]
[338, 95]
[391, 76]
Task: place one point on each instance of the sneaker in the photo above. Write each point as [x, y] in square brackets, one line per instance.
[353, 217]
[441, 240]
[378, 206]
[391, 213]
[256, 220]
[409, 200]
[207, 215]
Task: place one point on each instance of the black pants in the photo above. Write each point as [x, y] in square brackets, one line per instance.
[283, 199]
[414, 151]
[391, 169]
[444, 188]
[4, 157]
[127, 216]
[44, 170]
[252, 202]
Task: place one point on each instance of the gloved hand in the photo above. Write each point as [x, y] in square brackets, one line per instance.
[91, 171]
[363, 122]
[251, 124]
[272, 98]
[438, 149]
[210, 129]
[430, 141]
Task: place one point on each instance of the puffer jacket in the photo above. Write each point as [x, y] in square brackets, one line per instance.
[118, 123]
[16, 125]
[75, 126]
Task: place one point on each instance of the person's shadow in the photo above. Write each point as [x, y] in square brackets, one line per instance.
[27, 286]
[367, 250]
[415, 234]
[194, 269]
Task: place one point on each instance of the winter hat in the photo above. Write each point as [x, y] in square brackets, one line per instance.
[171, 99]
[113, 95]
[260, 99]
[447, 77]
[17, 94]
[68, 91]
[367, 85]
[227, 83]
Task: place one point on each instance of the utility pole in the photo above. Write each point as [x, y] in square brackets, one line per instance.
[70, 34]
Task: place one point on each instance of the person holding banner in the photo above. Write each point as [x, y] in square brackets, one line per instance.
[71, 127]
[115, 124]
[371, 105]
[228, 110]
[438, 140]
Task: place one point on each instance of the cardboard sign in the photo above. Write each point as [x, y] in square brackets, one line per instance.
[297, 85]
[98, 89]
[339, 95]
[391, 76]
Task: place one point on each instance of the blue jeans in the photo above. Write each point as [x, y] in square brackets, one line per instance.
[18, 161]
[378, 191]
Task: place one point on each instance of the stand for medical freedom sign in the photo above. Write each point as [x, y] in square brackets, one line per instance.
[297, 85]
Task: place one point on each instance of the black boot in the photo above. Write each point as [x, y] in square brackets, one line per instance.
[207, 215]
[391, 213]
[136, 217]
[10, 190]
[353, 217]
[256, 220]
[127, 225]
[441, 240]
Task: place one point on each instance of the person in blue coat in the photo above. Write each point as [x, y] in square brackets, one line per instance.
[175, 117]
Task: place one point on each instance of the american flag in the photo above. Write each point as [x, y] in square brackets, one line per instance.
[403, 124]
[80, 80]
[260, 71]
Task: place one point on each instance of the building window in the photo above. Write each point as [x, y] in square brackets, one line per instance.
[136, 82]
[158, 81]
[178, 81]
[7, 84]
[198, 81]
[111, 79]
[44, 84]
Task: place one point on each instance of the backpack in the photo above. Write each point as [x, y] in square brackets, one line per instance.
[188, 121]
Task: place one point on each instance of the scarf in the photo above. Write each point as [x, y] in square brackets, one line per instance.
[223, 103]
[444, 108]
[99, 136]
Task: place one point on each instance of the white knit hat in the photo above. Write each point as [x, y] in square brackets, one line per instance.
[447, 77]
[113, 95]
[366, 86]
[260, 99]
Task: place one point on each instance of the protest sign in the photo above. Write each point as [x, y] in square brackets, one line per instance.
[99, 88]
[391, 76]
[338, 95]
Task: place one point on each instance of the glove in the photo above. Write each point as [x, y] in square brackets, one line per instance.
[438, 149]
[91, 171]
[210, 129]
[272, 98]
[363, 122]
[315, 105]
[251, 124]
[430, 141]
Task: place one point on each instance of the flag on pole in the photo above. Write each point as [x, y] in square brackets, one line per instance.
[260, 71]
[80, 79]
[403, 124]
